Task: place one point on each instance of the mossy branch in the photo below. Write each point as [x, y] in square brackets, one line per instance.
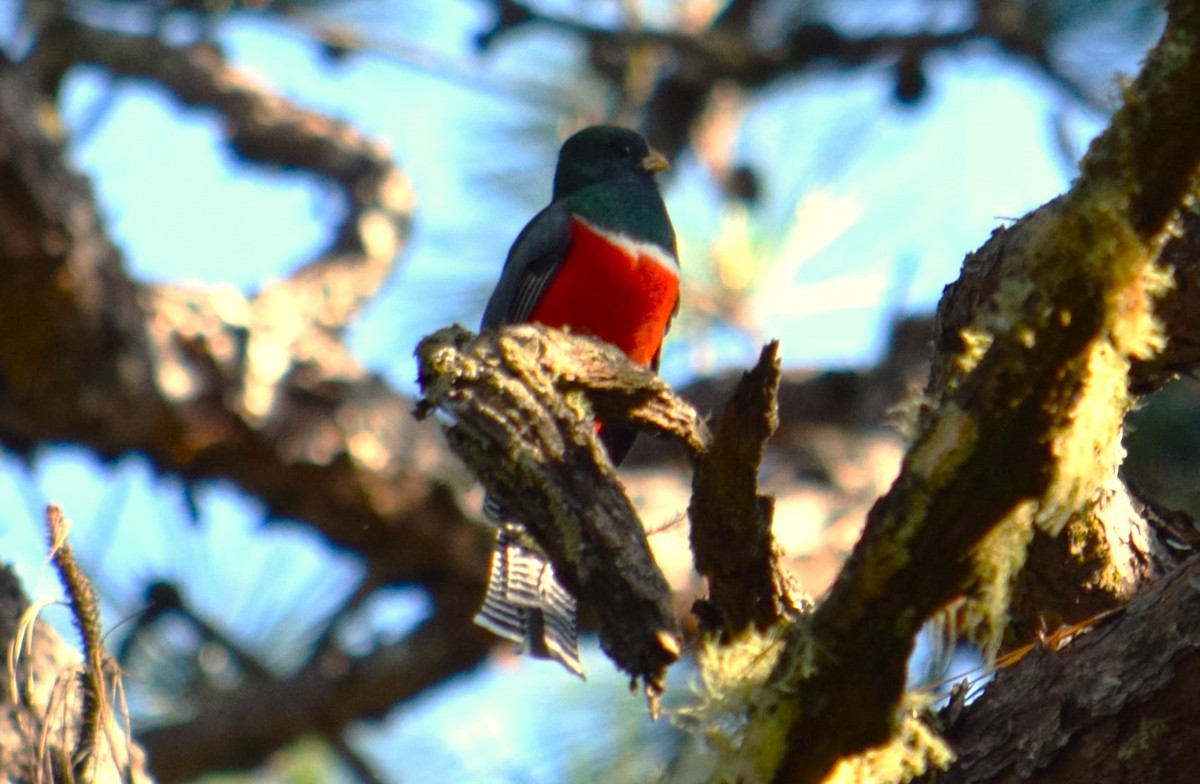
[521, 404]
[1022, 420]
[1119, 701]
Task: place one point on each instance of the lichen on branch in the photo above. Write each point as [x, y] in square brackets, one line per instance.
[1022, 418]
[521, 402]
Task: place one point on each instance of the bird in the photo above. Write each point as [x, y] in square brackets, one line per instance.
[601, 259]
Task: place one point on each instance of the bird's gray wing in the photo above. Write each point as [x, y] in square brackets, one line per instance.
[535, 256]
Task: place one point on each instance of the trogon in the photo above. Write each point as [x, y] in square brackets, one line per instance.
[601, 259]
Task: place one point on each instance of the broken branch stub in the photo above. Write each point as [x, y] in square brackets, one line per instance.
[520, 403]
[731, 537]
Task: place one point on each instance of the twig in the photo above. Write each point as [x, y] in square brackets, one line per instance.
[358, 765]
[85, 612]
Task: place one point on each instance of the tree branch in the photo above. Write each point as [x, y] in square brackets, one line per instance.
[205, 383]
[731, 537]
[212, 384]
[1021, 423]
[522, 425]
[265, 130]
[263, 715]
[1121, 696]
[727, 52]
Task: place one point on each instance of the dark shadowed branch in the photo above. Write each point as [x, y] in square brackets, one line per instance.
[696, 63]
[244, 727]
[731, 537]
[215, 384]
[1123, 696]
[265, 130]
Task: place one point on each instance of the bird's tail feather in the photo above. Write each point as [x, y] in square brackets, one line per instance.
[526, 604]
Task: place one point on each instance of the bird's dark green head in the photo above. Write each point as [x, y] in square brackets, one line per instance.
[604, 153]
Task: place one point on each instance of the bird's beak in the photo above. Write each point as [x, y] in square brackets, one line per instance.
[655, 162]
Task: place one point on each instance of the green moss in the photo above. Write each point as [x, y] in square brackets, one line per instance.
[914, 750]
[740, 718]
[976, 342]
[998, 559]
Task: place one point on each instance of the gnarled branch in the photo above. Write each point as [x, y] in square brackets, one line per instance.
[523, 425]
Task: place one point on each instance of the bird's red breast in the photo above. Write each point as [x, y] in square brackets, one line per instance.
[613, 287]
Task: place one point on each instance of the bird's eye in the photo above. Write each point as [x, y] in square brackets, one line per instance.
[625, 150]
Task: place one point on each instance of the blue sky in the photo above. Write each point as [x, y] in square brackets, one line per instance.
[891, 200]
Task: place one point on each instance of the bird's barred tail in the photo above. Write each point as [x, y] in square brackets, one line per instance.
[526, 604]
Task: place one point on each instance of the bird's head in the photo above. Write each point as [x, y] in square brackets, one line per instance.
[604, 153]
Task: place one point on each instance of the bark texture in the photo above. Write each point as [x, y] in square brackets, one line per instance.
[1039, 349]
[1118, 702]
